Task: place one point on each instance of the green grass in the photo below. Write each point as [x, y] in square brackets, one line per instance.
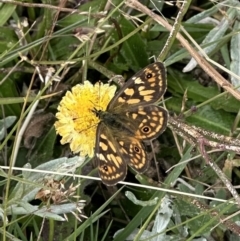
[101, 40]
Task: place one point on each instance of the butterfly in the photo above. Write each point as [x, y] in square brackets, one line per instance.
[131, 118]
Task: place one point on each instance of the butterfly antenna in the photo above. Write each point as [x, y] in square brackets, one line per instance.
[99, 94]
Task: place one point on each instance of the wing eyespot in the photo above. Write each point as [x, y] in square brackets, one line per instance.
[149, 75]
[105, 168]
[146, 129]
[136, 149]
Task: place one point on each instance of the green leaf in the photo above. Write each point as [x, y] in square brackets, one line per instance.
[178, 83]
[6, 12]
[133, 50]
[8, 89]
[44, 147]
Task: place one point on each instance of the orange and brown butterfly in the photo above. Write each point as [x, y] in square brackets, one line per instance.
[130, 119]
[114, 127]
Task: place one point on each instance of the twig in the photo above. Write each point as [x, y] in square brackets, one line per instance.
[175, 29]
[194, 135]
[61, 9]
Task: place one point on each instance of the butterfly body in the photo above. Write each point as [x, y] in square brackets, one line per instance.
[130, 119]
[113, 120]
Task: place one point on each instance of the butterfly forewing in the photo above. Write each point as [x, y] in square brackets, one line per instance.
[147, 86]
[111, 166]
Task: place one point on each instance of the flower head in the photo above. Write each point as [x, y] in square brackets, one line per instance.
[77, 123]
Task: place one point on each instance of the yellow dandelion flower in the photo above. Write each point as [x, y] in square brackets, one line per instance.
[77, 123]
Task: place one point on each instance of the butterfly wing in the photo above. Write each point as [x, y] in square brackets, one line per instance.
[114, 153]
[147, 122]
[145, 87]
[135, 155]
[133, 104]
[111, 166]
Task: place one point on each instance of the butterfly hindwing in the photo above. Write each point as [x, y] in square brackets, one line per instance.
[135, 154]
